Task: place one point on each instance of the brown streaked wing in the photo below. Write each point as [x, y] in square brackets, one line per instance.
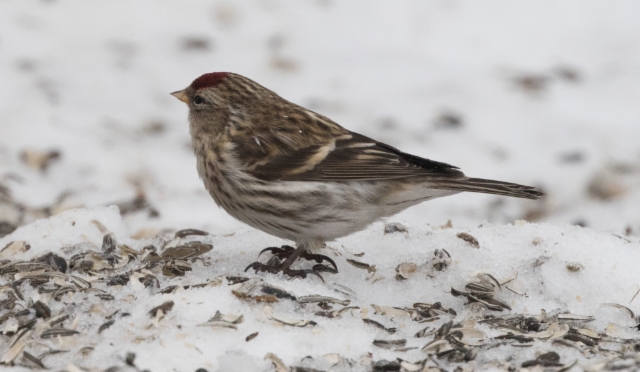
[357, 158]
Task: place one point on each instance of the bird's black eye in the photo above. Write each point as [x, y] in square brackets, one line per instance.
[198, 100]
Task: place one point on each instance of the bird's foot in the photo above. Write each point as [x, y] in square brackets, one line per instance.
[284, 256]
[281, 252]
[284, 252]
[274, 266]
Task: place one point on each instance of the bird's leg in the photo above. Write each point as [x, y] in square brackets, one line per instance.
[310, 255]
[293, 256]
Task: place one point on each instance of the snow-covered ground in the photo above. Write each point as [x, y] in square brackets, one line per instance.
[541, 93]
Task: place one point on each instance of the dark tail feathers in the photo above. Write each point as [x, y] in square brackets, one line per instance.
[487, 187]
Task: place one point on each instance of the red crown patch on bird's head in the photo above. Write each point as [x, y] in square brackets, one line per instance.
[208, 80]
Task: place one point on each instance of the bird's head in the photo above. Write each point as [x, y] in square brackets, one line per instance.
[218, 98]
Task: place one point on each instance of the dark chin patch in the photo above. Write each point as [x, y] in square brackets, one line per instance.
[208, 80]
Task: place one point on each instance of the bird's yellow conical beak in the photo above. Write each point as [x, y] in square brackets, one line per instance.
[181, 95]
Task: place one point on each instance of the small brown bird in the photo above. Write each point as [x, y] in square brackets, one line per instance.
[296, 174]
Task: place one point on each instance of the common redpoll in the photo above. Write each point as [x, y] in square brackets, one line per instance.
[296, 174]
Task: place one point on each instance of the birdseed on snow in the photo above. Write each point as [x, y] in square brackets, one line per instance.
[454, 335]
[469, 239]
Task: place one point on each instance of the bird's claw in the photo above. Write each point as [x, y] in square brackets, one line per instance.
[283, 252]
[280, 252]
[260, 267]
[319, 258]
[279, 258]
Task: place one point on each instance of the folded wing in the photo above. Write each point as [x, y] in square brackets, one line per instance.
[354, 157]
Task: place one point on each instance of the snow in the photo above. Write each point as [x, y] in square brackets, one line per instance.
[68, 228]
[606, 275]
[546, 93]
